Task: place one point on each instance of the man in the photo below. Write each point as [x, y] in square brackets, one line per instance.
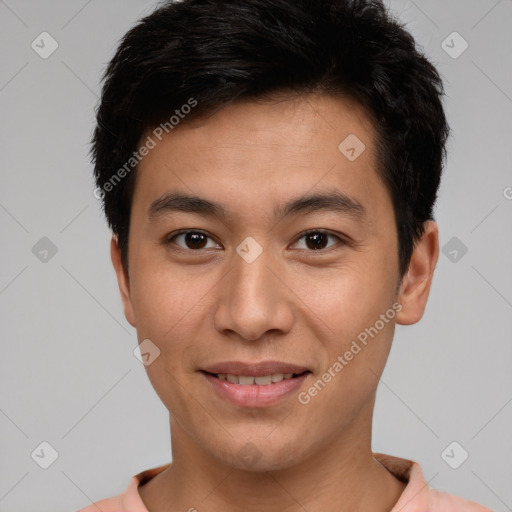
[269, 169]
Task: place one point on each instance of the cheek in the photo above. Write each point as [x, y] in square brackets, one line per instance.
[348, 298]
[164, 296]
[345, 305]
[171, 306]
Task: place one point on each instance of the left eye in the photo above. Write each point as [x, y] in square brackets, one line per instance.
[316, 239]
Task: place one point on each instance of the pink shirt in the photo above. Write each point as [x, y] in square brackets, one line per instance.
[417, 496]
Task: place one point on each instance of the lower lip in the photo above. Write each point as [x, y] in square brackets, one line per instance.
[253, 395]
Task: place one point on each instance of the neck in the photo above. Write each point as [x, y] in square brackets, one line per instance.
[343, 472]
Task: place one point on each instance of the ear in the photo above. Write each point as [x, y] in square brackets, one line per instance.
[122, 280]
[415, 286]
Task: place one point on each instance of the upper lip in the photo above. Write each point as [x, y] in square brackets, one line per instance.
[254, 369]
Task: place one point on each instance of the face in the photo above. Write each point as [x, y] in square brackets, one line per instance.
[274, 278]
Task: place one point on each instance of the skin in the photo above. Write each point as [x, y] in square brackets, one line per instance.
[292, 304]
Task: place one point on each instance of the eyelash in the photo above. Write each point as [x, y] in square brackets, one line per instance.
[341, 241]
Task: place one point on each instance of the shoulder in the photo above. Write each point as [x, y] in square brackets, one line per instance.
[129, 500]
[418, 496]
[445, 502]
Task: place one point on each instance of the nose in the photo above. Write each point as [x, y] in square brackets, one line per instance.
[255, 299]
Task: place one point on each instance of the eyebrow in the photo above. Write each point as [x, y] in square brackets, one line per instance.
[332, 201]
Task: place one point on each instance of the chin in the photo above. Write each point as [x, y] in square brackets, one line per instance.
[262, 455]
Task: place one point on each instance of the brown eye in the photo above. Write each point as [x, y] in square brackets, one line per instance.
[317, 240]
[193, 240]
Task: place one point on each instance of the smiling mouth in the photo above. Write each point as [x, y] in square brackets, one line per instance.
[262, 380]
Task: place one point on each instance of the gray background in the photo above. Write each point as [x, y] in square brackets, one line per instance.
[68, 373]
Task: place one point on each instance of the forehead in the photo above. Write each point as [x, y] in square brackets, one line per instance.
[264, 150]
[300, 124]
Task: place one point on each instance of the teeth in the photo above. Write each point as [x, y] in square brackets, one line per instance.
[263, 380]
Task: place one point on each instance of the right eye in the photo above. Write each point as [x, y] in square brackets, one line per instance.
[193, 240]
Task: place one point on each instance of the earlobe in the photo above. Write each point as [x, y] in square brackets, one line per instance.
[416, 283]
[122, 281]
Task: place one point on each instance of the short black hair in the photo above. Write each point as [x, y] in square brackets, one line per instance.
[209, 53]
